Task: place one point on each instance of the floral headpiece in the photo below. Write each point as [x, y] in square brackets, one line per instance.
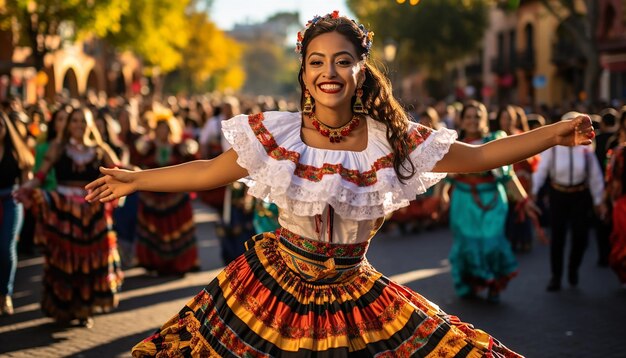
[368, 36]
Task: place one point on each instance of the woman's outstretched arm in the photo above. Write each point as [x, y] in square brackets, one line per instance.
[191, 176]
[466, 158]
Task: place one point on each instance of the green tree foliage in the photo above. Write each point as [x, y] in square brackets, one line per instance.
[270, 67]
[39, 21]
[156, 30]
[265, 64]
[211, 56]
[431, 33]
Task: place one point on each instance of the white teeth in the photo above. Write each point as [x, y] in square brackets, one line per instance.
[330, 87]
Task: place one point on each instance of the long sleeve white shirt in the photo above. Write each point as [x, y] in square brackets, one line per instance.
[568, 166]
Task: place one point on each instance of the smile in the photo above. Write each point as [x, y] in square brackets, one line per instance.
[330, 87]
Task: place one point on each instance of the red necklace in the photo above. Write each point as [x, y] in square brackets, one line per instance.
[335, 134]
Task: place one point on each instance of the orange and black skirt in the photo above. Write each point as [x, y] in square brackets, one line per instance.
[82, 272]
[166, 240]
[287, 296]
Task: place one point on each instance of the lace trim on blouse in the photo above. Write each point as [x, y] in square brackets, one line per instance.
[302, 179]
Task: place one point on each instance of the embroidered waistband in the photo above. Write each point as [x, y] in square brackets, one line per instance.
[320, 262]
[343, 254]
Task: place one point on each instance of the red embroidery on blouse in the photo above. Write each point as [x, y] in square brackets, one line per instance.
[315, 174]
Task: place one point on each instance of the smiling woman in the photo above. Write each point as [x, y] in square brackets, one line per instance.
[307, 288]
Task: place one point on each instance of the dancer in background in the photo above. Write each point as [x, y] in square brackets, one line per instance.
[166, 234]
[481, 256]
[82, 271]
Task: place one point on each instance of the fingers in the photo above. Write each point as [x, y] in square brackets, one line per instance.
[97, 193]
[108, 198]
[96, 183]
[584, 130]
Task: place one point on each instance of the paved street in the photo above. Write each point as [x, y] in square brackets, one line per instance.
[582, 322]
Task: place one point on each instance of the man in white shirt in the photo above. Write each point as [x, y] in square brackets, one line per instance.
[212, 142]
[574, 174]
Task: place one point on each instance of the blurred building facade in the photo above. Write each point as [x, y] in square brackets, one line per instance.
[611, 35]
[528, 57]
[72, 68]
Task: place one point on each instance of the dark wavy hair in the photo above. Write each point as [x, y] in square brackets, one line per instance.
[377, 97]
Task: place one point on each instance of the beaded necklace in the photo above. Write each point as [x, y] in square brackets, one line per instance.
[335, 134]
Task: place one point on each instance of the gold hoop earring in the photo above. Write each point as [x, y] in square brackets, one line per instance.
[358, 103]
[308, 105]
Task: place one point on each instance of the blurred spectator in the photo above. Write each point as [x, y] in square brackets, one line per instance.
[16, 162]
[576, 185]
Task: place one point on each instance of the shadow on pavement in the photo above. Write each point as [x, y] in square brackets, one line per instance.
[38, 336]
[119, 347]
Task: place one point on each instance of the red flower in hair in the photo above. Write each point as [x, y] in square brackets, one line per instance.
[335, 14]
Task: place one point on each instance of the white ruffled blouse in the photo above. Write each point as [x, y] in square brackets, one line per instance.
[330, 195]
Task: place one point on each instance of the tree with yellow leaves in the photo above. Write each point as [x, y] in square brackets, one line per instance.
[156, 30]
[211, 57]
[41, 22]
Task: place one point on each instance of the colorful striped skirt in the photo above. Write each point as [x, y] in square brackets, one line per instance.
[287, 296]
[166, 233]
[82, 271]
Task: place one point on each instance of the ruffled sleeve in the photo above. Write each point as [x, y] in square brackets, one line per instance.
[304, 180]
[429, 147]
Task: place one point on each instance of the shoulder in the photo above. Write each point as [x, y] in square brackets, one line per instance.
[266, 127]
[266, 118]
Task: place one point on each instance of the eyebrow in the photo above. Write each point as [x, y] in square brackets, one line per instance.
[335, 55]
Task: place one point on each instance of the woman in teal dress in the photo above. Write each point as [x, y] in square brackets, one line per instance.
[481, 256]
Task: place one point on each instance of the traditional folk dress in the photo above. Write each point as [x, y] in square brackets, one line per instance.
[616, 187]
[307, 288]
[481, 256]
[166, 233]
[82, 271]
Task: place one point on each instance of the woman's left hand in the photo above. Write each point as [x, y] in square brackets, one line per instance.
[577, 131]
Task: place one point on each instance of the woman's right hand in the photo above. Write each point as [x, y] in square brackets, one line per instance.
[115, 184]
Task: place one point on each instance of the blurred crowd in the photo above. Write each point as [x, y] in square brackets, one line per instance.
[52, 150]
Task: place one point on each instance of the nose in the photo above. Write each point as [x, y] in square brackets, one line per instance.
[331, 70]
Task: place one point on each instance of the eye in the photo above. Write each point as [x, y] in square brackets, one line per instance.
[344, 62]
[315, 62]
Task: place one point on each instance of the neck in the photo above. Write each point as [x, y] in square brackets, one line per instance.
[333, 118]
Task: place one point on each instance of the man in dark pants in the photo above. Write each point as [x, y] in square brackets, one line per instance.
[576, 184]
